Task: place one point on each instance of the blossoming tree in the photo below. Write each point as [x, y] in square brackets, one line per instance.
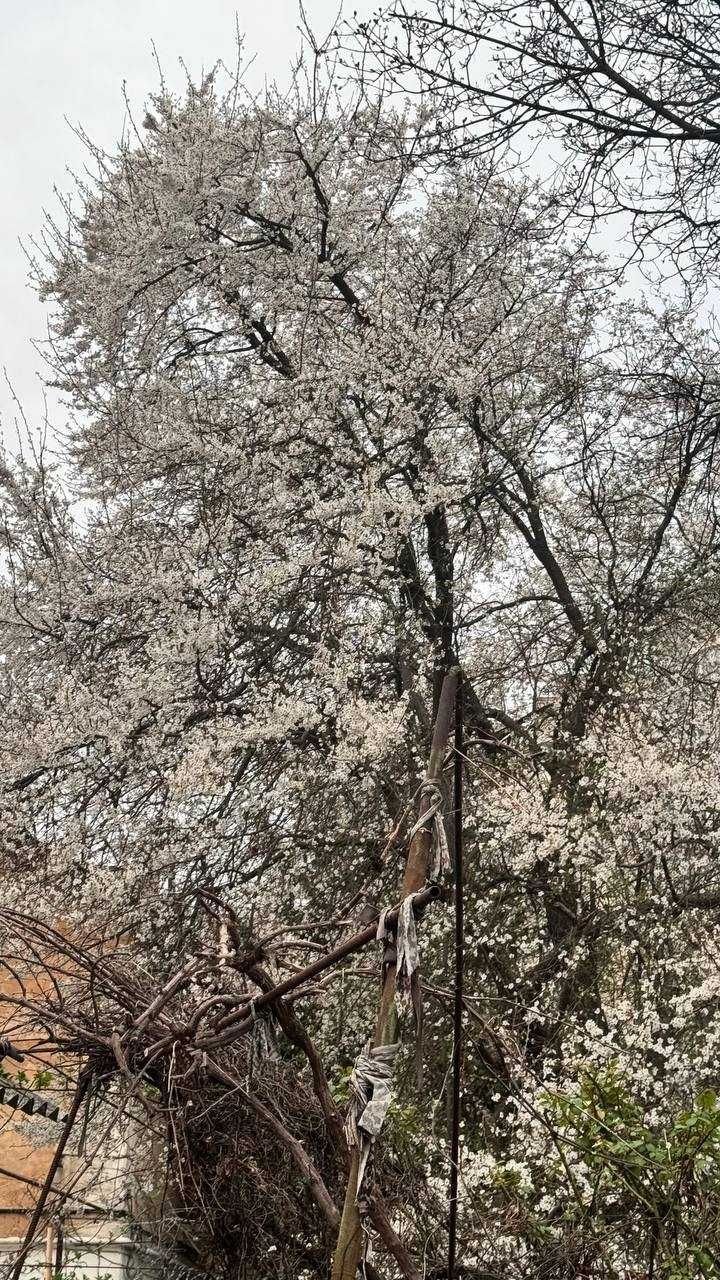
[341, 418]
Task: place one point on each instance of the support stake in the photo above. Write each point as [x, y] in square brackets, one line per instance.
[349, 1242]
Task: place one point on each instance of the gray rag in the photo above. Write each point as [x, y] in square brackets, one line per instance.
[371, 1089]
[408, 953]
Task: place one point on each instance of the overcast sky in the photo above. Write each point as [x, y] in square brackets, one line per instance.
[63, 62]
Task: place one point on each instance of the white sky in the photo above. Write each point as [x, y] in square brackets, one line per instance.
[63, 62]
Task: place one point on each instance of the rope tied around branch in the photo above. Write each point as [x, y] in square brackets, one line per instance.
[401, 942]
[418, 873]
[407, 976]
[433, 817]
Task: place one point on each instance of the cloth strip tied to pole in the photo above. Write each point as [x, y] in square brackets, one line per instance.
[371, 1088]
[441, 854]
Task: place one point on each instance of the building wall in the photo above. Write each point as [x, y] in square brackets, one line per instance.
[96, 1245]
[93, 1250]
[18, 1154]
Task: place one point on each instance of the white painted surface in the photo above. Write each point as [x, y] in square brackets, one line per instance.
[94, 1249]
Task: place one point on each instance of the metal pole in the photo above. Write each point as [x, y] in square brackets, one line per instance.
[459, 978]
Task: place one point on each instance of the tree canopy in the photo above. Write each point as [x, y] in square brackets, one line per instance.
[344, 415]
[622, 96]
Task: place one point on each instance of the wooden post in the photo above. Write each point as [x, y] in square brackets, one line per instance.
[349, 1242]
[59, 1248]
[49, 1252]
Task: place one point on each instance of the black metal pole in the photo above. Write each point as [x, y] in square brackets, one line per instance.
[457, 1050]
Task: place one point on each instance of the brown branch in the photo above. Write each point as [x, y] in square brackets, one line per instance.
[295, 1149]
[297, 1035]
[232, 1026]
[56, 1191]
